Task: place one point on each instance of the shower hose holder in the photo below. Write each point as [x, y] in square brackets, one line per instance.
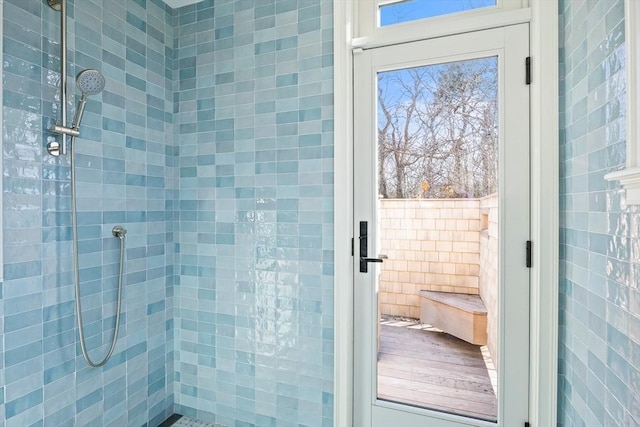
[63, 130]
[55, 147]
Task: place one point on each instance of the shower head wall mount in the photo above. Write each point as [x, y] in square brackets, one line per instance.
[54, 147]
[90, 82]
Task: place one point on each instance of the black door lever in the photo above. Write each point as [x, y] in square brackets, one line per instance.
[364, 259]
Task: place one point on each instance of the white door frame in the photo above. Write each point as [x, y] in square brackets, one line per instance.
[544, 219]
[509, 47]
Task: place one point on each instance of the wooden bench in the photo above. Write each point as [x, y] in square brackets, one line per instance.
[461, 315]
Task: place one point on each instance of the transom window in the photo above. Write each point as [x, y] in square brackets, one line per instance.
[399, 11]
[385, 22]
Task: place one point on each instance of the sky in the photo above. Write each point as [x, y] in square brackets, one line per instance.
[412, 10]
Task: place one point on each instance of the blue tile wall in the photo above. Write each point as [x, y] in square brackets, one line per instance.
[599, 344]
[254, 304]
[230, 210]
[126, 165]
[212, 143]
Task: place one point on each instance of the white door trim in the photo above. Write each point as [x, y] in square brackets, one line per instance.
[544, 221]
[343, 213]
[545, 188]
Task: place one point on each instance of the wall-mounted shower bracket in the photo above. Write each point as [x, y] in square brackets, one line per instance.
[61, 147]
[53, 148]
[56, 148]
[64, 130]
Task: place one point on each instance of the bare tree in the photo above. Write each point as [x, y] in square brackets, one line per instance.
[437, 130]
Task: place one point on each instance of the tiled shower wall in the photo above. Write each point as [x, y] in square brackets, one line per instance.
[600, 235]
[254, 306]
[253, 272]
[126, 164]
[251, 97]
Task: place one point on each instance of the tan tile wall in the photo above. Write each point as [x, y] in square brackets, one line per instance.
[489, 270]
[432, 245]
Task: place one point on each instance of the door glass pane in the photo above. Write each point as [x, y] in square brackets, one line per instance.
[411, 10]
[438, 225]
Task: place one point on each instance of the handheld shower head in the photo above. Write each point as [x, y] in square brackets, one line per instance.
[90, 82]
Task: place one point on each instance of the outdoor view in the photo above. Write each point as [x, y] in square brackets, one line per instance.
[438, 222]
[411, 10]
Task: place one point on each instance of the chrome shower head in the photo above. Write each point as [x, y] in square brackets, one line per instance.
[90, 82]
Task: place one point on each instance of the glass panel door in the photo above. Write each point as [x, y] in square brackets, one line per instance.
[441, 204]
[437, 216]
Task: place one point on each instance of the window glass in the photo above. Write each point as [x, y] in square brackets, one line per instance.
[411, 10]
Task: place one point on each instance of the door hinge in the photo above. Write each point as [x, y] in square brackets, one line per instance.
[526, 424]
[528, 70]
[352, 243]
[529, 253]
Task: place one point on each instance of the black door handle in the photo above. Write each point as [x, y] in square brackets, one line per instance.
[364, 258]
[380, 258]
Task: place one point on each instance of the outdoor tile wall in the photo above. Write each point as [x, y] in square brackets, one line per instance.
[124, 177]
[488, 275]
[254, 306]
[600, 236]
[439, 245]
[432, 245]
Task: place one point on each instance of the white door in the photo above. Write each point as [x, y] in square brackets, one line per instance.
[441, 217]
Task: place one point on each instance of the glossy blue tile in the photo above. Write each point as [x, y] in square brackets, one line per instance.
[40, 316]
[128, 124]
[596, 340]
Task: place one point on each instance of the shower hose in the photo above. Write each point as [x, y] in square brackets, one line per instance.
[118, 232]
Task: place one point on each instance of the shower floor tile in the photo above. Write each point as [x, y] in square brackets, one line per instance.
[190, 422]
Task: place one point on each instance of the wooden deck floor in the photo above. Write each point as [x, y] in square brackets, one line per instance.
[422, 366]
